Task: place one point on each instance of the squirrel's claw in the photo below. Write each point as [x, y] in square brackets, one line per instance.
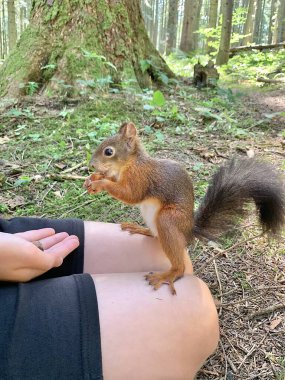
[158, 279]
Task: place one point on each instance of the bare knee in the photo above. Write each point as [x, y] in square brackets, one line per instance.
[147, 334]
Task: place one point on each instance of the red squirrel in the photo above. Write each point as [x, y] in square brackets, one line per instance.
[163, 190]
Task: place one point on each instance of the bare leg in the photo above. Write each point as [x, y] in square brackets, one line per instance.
[108, 249]
[153, 335]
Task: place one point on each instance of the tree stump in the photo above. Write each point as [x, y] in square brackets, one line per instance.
[205, 76]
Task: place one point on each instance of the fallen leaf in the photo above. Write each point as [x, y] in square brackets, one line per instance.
[217, 302]
[274, 323]
[250, 153]
[14, 202]
[4, 140]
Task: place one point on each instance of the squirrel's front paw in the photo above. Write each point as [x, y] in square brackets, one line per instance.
[88, 183]
[95, 187]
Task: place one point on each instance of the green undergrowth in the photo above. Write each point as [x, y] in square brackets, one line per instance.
[242, 70]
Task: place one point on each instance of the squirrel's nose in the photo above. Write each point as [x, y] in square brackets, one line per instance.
[92, 164]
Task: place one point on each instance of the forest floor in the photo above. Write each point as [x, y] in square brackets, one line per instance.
[45, 146]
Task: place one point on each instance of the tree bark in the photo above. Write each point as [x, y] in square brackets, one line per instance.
[12, 29]
[257, 23]
[190, 14]
[1, 40]
[249, 23]
[172, 26]
[155, 24]
[4, 31]
[197, 24]
[213, 18]
[224, 49]
[271, 20]
[280, 23]
[71, 42]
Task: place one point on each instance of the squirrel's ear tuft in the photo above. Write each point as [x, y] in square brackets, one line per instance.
[128, 130]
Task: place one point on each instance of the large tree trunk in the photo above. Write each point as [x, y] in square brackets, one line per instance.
[225, 42]
[71, 43]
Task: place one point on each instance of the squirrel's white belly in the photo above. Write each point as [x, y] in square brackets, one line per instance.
[149, 209]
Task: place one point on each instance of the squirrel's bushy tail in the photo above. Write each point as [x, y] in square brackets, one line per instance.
[234, 185]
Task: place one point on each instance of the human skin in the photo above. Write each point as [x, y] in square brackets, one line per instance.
[147, 334]
[22, 261]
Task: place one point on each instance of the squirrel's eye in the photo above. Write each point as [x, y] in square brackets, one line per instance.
[108, 151]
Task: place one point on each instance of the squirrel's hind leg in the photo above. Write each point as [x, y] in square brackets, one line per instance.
[134, 228]
[170, 223]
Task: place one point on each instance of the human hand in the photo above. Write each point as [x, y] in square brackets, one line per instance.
[21, 260]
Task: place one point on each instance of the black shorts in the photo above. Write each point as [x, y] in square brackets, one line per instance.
[50, 326]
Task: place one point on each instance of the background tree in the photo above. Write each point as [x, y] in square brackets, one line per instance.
[12, 28]
[172, 24]
[272, 18]
[191, 8]
[197, 18]
[224, 48]
[71, 43]
[258, 21]
[213, 18]
[250, 21]
[279, 31]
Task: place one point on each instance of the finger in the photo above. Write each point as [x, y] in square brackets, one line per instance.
[36, 234]
[52, 240]
[53, 256]
[60, 250]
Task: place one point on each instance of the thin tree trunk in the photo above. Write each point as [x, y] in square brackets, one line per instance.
[172, 26]
[162, 33]
[213, 18]
[257, 23]
[12, 28]
[197, 24]
[151, 23]
[190, 14]
[155, 24]
[250, 21]
[224, 49]
[1, 41]
[4, 30]
[262, 23]
[281, 22]
[272, 18]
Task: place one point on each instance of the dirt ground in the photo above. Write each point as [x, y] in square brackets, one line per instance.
[249, 287]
